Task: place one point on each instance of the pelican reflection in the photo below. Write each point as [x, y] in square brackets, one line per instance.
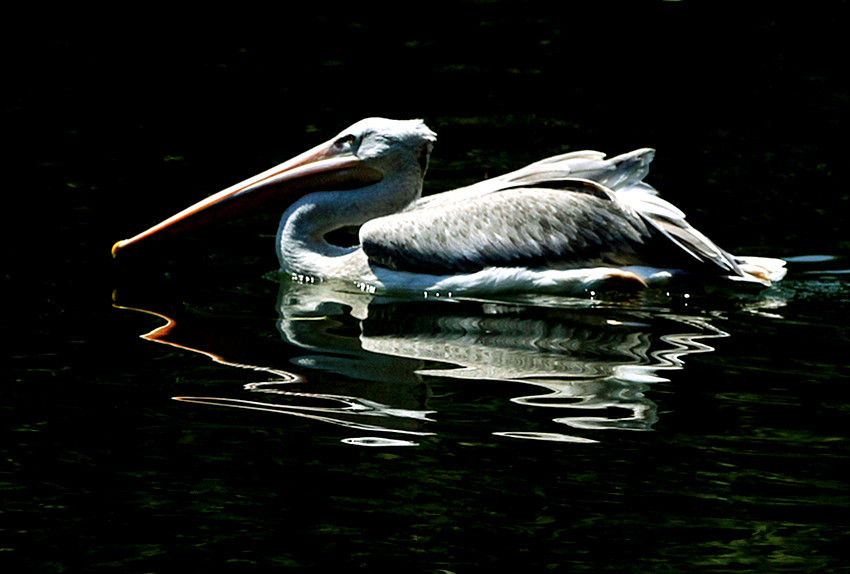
[397, 369]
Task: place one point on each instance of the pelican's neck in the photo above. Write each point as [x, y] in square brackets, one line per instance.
[301, 243]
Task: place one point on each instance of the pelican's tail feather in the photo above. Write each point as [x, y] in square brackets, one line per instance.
[763, 270]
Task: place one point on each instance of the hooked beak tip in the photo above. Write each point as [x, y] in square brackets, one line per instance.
[117, 247]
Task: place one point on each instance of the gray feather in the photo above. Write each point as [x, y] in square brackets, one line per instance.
[537, 228]
[570, 211]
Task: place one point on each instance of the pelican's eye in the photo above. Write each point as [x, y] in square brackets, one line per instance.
[345, 142]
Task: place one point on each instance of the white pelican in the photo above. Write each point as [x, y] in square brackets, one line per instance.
[565, 224]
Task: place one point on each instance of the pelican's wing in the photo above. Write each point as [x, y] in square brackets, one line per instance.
[580, 226]
[605, 214]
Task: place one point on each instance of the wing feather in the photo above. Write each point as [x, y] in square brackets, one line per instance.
[670, 221]
[568, 211]
[552, 228]
[622, 171]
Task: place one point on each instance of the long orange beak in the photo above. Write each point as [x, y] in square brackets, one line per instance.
[322, 168]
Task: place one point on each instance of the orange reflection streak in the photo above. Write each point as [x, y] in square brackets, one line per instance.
[161, 334]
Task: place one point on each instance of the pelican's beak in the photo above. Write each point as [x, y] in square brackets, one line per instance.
[322, 168]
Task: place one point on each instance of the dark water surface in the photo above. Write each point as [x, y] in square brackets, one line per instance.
[320, 428]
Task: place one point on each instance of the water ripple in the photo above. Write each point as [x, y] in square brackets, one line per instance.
[369, 364]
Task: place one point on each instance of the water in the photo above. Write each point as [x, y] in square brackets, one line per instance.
[190, 410]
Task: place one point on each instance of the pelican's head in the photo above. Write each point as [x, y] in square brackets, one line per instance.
[366, 153]
[390, 146]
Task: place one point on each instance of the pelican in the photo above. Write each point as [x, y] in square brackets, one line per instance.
[566, 224]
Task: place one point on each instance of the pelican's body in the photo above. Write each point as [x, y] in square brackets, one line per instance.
[568, 223]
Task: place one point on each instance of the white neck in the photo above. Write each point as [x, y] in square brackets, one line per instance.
[301, 244]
